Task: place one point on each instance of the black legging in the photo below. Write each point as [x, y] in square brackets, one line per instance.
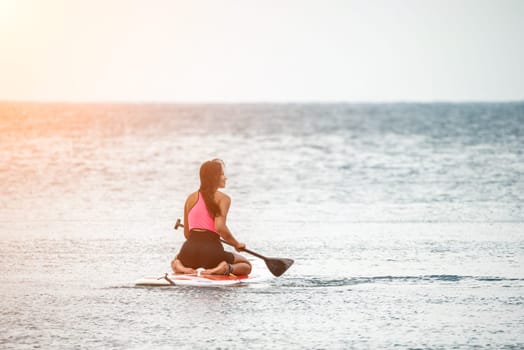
[203, 249]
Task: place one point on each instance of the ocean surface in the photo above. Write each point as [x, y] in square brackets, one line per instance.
[405, 221]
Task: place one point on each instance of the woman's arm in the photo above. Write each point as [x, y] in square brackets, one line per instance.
[220, 223]
[186, 221]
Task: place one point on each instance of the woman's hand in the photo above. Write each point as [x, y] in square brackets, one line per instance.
[240, 247]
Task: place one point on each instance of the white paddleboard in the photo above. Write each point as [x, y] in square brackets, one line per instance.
[196, 281]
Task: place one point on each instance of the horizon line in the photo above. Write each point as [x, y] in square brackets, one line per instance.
[261, 102]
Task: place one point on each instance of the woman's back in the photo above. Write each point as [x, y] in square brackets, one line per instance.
[198, 215]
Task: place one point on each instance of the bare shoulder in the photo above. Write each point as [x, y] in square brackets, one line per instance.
[222, 197]
[191, 200]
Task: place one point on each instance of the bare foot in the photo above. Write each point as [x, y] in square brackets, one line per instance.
[187, 271]
[221, 269]
[178, 268]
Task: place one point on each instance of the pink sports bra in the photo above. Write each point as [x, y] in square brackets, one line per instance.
[199, 217]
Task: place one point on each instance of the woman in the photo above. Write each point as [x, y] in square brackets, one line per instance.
[205, 214]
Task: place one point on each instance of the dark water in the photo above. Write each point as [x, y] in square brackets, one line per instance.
[405, 222]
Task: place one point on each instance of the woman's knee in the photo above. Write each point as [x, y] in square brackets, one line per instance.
[241, 266]
[240, 259]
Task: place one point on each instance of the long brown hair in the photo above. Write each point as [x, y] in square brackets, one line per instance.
[210, 173]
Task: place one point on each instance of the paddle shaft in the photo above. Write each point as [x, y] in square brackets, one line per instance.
[246, 250]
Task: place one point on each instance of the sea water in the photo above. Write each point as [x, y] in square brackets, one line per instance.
[405, 221]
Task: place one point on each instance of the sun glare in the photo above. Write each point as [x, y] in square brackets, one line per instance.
[8, 13]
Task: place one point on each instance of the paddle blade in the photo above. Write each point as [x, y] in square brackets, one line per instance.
[278, 266]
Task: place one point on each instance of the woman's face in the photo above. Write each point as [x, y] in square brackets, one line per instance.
[222, 179]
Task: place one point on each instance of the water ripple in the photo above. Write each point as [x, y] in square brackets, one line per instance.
[317, 282]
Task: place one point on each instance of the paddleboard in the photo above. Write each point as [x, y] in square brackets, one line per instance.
[196, 280]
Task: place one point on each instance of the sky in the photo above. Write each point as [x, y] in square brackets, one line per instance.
[261, 51]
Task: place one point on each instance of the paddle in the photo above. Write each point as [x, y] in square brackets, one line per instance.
[277, 266]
